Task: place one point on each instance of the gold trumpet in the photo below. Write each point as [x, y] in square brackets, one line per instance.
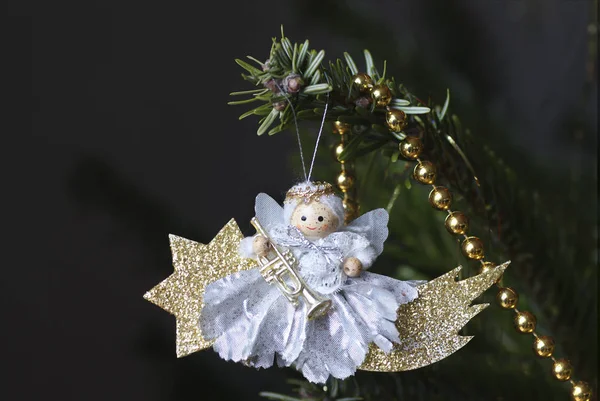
[281, 271]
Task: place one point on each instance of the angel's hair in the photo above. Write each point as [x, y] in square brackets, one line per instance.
[330, 200]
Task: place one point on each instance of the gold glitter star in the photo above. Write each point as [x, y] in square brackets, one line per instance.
[197, 265]
[429, 325]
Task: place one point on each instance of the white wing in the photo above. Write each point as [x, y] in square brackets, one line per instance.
[268, 212]
[372, 226]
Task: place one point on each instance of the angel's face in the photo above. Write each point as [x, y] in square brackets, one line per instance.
[314, 220]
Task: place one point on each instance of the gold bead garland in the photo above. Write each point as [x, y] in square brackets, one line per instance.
[472, 247]
[457, 223]
[396, 121]
[345, 180]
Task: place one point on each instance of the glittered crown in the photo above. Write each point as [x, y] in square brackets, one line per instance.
[309, 191]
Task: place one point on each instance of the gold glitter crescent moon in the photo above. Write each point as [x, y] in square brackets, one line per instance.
[429, 325]
[197, 265]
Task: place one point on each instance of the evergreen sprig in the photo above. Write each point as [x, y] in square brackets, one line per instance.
[294, 77]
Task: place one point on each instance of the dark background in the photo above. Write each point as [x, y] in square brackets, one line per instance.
[122, 135]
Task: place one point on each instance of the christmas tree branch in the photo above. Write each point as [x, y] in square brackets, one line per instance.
[497, 200]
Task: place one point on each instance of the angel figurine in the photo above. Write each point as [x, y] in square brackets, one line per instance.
[252, 321]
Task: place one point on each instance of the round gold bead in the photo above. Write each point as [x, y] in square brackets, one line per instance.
[581, 391]
[543, 346]
[440, 198]
[350, 210]
[507, 298]
[341, 128]
[562, 369]
[382, 95]
[472, 248]
[345, 181]
[396, 120]
[411, 147]
[457, 223]
[486, 266]
[363, 81]
[337, 151]
[525, 322]
[424, 172]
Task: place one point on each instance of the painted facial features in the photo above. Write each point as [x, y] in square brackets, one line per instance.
[314, 220]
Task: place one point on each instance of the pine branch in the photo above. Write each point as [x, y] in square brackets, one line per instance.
[294, 76]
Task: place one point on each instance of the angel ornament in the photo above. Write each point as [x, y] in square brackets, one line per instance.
[311, 304]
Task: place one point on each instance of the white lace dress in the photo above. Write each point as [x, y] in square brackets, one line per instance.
[251, 321]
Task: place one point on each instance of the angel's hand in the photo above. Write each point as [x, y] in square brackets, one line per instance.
[352, 267]
[261, 245]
